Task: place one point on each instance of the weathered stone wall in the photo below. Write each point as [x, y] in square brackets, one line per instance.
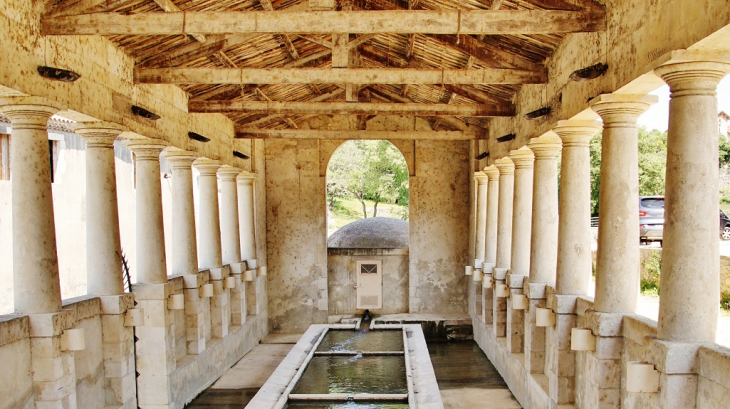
[342, 277]
[296, 228]
[439, 227]
[16, 383]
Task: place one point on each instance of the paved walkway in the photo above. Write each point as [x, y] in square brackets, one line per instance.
[239, 385]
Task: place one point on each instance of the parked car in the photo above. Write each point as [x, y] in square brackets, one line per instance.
[651, 219]
[724, 226]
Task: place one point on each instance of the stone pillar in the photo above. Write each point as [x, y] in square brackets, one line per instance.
[103, 244]
[155, 347]
[479, 243]
[481, 222]
[247, 225]
[104, 263]
[36, 285]
[574, 265]
[690, 262]
[523, 160]
[185, 250]
[618, 264]
[235, 309]
[490, 241]
[210, 255]
[151, 264]
[504, 242]
[543, 244]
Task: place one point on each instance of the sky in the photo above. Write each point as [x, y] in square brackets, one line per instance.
[657, 117]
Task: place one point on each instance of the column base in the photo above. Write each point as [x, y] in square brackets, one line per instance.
[53, 370]
[499, 304]
[534, 345]
[238, 295]
[515, 318]
[560, 359]
[197, 308]
[118, 352]
[220, 307]
[600, 383]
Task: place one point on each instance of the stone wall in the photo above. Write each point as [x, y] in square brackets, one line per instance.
[16, 383]
[342, 277]
[296, 228]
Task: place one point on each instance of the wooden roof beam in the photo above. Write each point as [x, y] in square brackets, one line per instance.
[348, 108]
[328, 22]
[345, 134]
[364, 76]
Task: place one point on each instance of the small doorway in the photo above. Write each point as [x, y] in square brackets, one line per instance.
[369, 284]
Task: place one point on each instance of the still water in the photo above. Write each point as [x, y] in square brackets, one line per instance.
[381, 340]
[347, 405]
[354, 374]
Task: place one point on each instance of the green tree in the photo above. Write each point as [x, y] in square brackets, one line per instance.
[724, 151]
[652, 164]
[368, 170]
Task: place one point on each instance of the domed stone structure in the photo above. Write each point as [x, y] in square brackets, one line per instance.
[371, 233]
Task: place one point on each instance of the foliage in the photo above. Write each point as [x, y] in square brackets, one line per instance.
[652, 149]
[651, 274]
[724, 147]
[367, 170]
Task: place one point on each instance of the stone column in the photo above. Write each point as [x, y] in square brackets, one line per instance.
[523, 160]
[574, 265]
[210, 255]
[481, 222]
[103, 244]
[543, 244]
[690, 261]
[490, 241]
[618, 264]
[504, 241]
[617, 261]
[247, 226]
[479, 243]
[36, 285]
[104, 263]
[231, 243]
[155, 347]
[185, 250]
[151, 264]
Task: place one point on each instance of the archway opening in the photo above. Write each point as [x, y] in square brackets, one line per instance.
[366, 179]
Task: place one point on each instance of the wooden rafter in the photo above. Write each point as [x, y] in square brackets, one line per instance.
[336, 76]
[246, 133]
[327, 22]
[347, 108]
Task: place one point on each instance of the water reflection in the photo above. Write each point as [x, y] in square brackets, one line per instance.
[345, 340]
[353, 375]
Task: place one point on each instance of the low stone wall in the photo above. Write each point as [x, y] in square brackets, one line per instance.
[16, 383]
[690, 375]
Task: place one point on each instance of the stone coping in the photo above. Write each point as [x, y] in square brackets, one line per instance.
[424, 392]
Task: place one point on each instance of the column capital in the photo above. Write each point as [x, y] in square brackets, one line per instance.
[28, 112]
[621, 110]
[207, 166]
[146, 149]
[505, 166]
[178, 158]
[481, 178]
[492, 172]
[576, 133]
[98, 134]
[523, 158]
[246, 177]
[227, 172]
[693, 78]
[547, 146]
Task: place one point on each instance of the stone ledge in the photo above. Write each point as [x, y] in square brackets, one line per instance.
[604, 324]
[116, 304]
[53, 324]
[561, 304]
[237, 268]
[219, 273]
[714, 364]
[85, 306]
[639, 329]
[515, 281]
[151, 291]
[674, 358]
[13, 327]
[500, 273]
[177, 284]
[193, 281]
[535, 291]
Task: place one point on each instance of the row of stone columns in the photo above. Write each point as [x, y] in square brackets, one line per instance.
[549, 257]
[35, 263]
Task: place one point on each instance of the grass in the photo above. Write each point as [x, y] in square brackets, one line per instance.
[349, 210]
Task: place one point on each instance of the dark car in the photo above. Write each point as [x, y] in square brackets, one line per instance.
[651, 219]
[724, 226]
